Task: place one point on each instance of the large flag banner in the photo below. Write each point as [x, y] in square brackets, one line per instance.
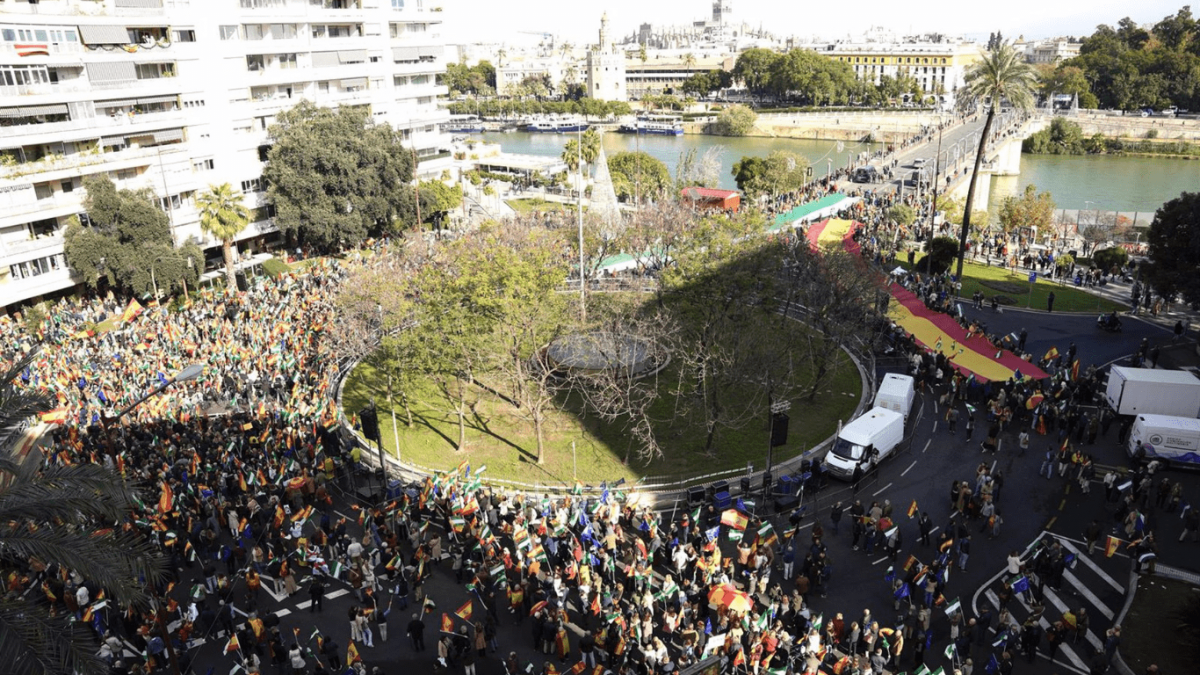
[734, 518]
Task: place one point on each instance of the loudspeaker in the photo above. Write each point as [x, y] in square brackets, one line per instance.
[717, 488]
[367, 495]
[745, 481]
[786, 503]
[766, 482]
[695, 496]
[779, 429]
[370, 423]
[242, 284]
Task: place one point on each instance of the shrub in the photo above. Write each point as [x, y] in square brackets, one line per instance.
[273, 267]
[736, 120]
[1152, 133]
[1106, 258]
[942, 252]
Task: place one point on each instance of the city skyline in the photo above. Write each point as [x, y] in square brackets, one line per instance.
[1033, 20]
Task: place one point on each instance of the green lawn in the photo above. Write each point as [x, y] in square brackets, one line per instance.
[1153, 631]
[499, 438]
[539, 205]
[992, 280]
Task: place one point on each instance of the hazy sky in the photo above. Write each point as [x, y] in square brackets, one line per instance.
[486, 21]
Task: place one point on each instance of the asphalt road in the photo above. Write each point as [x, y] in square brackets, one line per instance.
[922, 471]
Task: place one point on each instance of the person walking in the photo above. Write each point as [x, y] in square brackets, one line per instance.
[835, 516]
[1050, 302]
[316, 591]
[416, 632]
[964, 552]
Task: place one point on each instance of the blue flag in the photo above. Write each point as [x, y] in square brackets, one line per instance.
[901, 592]
[713, 533]
[928, 640]
[1020, 585]
[708, 626]
[741, 506]
[1069, 560]
[891, 574]
[992, 665]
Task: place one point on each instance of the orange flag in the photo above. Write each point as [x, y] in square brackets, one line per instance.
[166, 499]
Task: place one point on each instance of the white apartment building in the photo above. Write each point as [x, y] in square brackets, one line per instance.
[939, 67]
[176, 95]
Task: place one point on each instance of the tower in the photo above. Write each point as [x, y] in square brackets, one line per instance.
[603, 45]
[605, 68]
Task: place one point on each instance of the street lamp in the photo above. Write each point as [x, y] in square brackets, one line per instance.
[186, 375]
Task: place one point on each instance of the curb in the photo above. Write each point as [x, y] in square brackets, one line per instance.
[1159, 570]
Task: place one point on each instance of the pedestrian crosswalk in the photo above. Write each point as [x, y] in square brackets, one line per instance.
[1060, 592]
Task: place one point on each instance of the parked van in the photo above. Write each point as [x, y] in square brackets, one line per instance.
[867, 174]
[865, 442]
[896, 392]
[1174, 440]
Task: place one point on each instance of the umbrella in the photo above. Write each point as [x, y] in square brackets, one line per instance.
[729, 597]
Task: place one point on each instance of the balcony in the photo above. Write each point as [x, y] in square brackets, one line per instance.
[17, 290]
[67, 166]
[47, 244]
[102, 124]
[46, 88]
[55, 206]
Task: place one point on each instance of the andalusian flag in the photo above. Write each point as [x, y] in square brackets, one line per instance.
[1111, 546]
[912, 509]
[953, 607]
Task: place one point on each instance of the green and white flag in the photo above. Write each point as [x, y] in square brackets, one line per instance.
[335, 570]
[735, 535]
[197, 592]
[763, 622]
[940, 671]
[954, 607]
[923, 670]
[949, 651]
[818, 621]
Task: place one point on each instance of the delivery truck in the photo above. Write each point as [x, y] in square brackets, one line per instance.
[1169, 439]
[865, 442]
[1148, 391]
[896, 392]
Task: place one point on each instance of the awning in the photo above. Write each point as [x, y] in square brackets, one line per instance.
[405, 54]
[352, 56]
[355, 82]
[140, 3]
[436, 50]
[325, 59]
[168, 135]
[111, 72]
[109, 141]
[119, 103]
[104, 35]
[157, 99]
[34, 110]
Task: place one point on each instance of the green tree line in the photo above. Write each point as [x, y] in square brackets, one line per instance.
[516, 107]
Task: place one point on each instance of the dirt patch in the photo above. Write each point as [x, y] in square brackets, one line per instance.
[1155, 630]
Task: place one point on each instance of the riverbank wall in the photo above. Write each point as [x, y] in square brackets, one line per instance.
[1137, 127]
[878, 126]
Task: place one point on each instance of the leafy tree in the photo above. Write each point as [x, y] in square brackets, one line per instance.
[736, 120]
[1067, 79]
[223, 216]
[902, 214]
[637, 173]
[941, 252]
[1174, 239]
[333, 175]
[1108, 258]
[438, 199]
[69, 516]
[1002, 75]
[1062, 137]
[699, 170]
[813, 78]
[129, 242]
[703, 84]
[748, 173]
[753, 69]
[1030, 210]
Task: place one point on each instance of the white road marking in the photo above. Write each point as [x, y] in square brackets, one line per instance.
[1087, 593]
[881, 490]
[1088, 561]
[880, 560]
[928, 441]
[1052, 595]
[910, 466]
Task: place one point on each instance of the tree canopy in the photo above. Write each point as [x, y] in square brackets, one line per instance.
[1174, 239]
[477, 80]
[1029, 210]
[128, 242]
[703, 84]
[224, 216]
[332, 176]
[777, 173]
[637, 174]
[736, 120]
[1129, 67]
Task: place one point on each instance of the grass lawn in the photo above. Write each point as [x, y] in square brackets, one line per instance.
[539, 205]
[1152, 632]
[498, 437]
[991, 280]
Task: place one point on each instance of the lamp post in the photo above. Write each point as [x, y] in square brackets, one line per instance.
[186, 375]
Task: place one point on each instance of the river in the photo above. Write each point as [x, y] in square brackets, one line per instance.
[1127, 184]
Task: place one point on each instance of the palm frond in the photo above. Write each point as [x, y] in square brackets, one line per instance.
[32, 643]
[18, 405]
[95, 491]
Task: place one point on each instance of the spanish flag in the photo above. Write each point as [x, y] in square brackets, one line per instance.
[131, 311]
[464, 612]
[56, 416]
[352, 653]
[734, 518]
[166, 499]
[232, 645]
[447, 624]
[1111, 546]
[1050, 355]
[912, 509]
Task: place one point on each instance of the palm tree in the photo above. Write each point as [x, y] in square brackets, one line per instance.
[1002, 75]
[223, 216]
[69, 515]
[591, 149]
[689, 60]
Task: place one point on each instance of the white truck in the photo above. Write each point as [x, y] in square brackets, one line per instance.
[896, 392]
[1173, 440]
[1141, 391]
[865, 442]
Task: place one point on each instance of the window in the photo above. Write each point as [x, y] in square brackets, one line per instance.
[68, 186]
[287, 61]
[252, 185]
[397, 4]
[252, 31]
[229, 33]
[255, 63]
[203, 165]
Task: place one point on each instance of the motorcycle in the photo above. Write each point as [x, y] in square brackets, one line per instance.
[1109, 323]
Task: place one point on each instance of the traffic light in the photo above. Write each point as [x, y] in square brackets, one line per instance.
[370, 423]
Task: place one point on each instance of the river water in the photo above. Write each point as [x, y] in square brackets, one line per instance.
[1126, 184]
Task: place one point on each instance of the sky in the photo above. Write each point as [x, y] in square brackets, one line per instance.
[578, 22]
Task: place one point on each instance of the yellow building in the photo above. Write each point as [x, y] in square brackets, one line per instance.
[939, 67]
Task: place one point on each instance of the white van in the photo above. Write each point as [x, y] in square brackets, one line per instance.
[1174, 440]
[896, 392]
[865, 442]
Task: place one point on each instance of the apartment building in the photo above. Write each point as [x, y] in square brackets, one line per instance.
[939, 67]
[175, 95]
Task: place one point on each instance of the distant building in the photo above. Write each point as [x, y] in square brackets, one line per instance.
[711, 198]
[1051, 51]
[606, 68]
[939, 67]
[663, 72]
